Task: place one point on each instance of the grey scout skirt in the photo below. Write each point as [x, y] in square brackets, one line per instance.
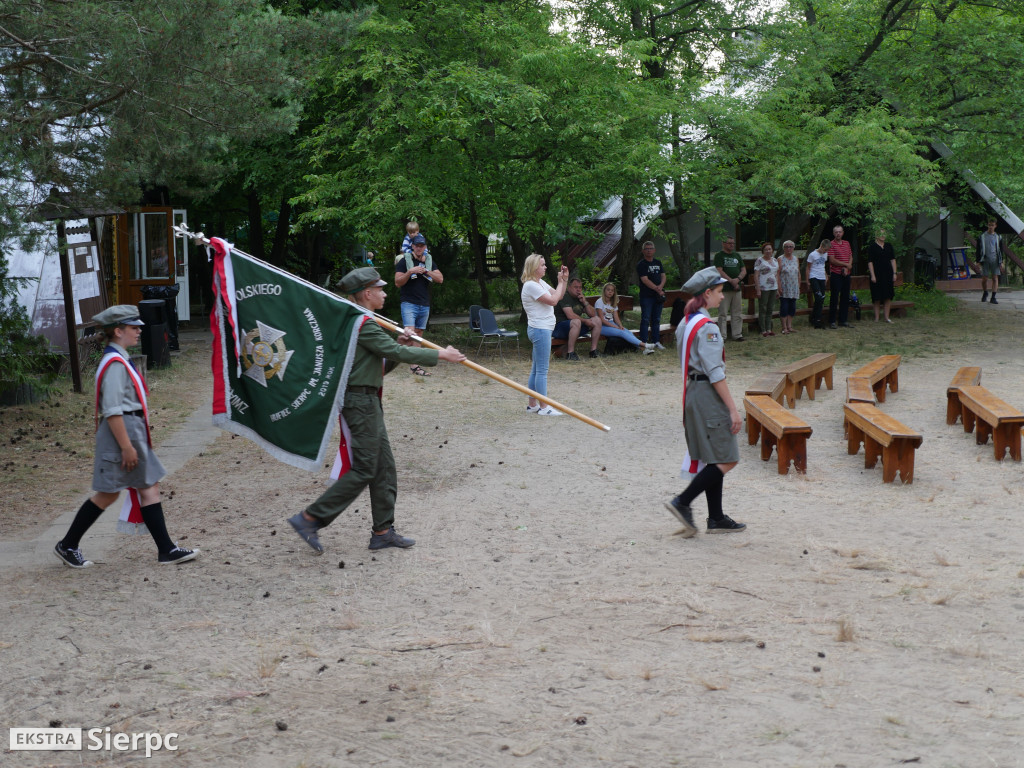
[708, 427]
[107, 475]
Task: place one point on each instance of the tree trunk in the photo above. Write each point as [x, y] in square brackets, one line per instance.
[625, 262]
[479, 256]
[255, 224]
[794, 227]
[909, 239]
[519, 251]
[278, 251]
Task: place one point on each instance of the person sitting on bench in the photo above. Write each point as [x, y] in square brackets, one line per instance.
[608, 310]
[577, 318]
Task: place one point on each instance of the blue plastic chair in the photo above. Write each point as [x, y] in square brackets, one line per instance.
[490, 333]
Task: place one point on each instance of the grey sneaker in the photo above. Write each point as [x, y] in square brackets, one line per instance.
[389, 538]
[72, 558]
[178, 555]
[573, 357]
[684, 515]
[659, 346]
[649, 349]
[309, 531]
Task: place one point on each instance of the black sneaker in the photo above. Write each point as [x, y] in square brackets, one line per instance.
[309, 531]
[389, 538]
[594, 353]
[72, 558]
[984, 295]
[725, 525]
[684, 515]
[573, 357]
[832, 326]
[178, 555]
[993, 299]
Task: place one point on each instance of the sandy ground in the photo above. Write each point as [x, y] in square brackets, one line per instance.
[547, 615]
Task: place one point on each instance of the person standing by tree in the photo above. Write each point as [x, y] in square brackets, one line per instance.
[991, 258]
[882, 270]
[731, 267]
[651, 275]
[840, 259]
[414, 274]
[789, 285]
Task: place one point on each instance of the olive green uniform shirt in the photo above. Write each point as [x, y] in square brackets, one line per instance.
[373, 345]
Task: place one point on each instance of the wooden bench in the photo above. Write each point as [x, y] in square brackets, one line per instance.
[808, 374]
[776, 427]
[965, 377]
[859, 390]
[771, 385]
[992, 417]
[883, 436]
[883, 372]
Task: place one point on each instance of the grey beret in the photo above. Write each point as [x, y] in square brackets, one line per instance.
[358, 279]
[120, 314]
[702, 280]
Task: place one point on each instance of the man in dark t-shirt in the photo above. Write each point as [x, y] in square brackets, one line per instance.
[574, 315]
[651, 276]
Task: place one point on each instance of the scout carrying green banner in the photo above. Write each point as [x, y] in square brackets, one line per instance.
[282, 353]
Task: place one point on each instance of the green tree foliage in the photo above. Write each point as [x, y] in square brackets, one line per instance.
[102, 98]
[475, 117]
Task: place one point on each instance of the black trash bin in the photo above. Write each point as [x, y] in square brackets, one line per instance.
[169, 294]
[154, 335]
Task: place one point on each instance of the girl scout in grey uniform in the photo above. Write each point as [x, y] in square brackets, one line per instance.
[123, 458]
[710, 418]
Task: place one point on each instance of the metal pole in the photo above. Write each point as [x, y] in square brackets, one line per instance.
[69, 306]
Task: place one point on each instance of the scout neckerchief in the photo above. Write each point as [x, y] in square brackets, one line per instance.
[694, 323]
[130, 519]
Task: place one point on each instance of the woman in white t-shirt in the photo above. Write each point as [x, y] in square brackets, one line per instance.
[539, 300]
[608, 306]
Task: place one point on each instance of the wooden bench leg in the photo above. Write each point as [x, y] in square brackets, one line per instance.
[982, 431]
[808, 385]
[879, 389]
[898, 456]
[968, 417]
[1007, 438]
[753, 430]
[789, 393]
[854, 436]
[828, 378]
[767, 443]
[952, 407]
[795, 451]
[872, 450]
[894, 381]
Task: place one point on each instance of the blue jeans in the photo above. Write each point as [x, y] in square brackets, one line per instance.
[541, 340]
[610, 330]
[415, 315]
[650, 318]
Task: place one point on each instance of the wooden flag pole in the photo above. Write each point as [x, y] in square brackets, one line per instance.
[499, 378]
[182, 231]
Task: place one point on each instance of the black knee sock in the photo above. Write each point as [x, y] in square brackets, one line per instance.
[88, 513]
[153, 517]
[706, 478]
[714, 496]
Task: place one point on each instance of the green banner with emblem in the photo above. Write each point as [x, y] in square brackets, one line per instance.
[282, 353]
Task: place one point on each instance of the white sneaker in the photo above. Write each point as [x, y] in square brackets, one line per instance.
[659, 345]
[533, 408]
[649, 349]
[549, 411]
